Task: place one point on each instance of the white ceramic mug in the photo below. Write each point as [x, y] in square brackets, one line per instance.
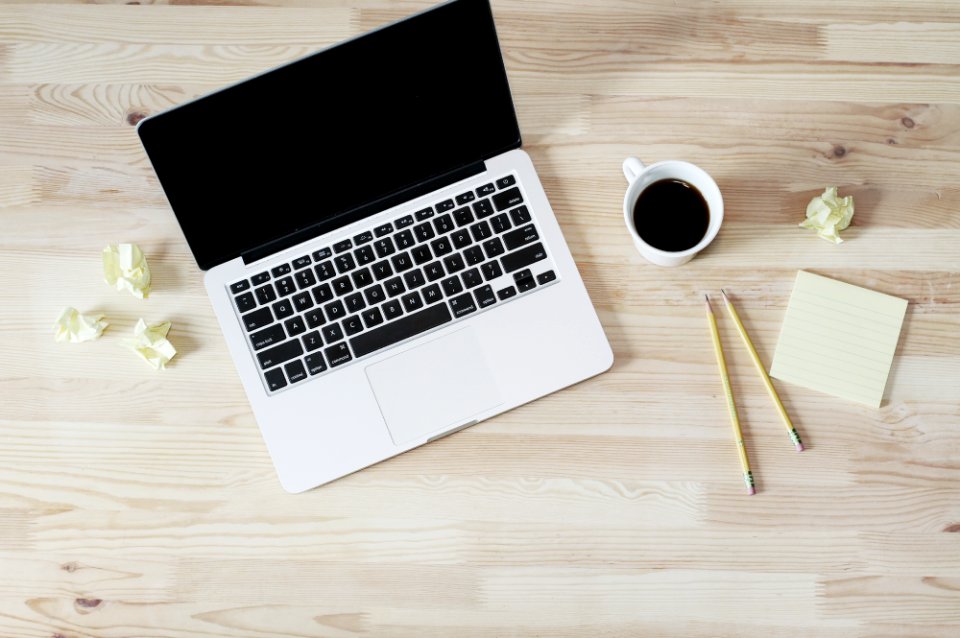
[640, 177]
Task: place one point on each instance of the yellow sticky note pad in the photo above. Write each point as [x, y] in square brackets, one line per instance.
[838, 338]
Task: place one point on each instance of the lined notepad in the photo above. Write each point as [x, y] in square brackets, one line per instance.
[838, 338]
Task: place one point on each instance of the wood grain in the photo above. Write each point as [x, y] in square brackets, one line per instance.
[141, 503]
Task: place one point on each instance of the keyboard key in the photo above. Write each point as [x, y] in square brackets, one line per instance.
[507, 199]
[507, 292]
[364, 255]
[454, 263]
[473, 255]
[486, 189]
[443, 224]
[434, 271]
[414, 279]
[383, 229]
[266, 294]
[278, 354]
[491, 270]
[322, 293]
[403, 222]
[302, 301]
[423, 214]
[281, 270]
[424, 232]
[354, 302]
[520, 215]
[546, 277]
[315, 363]
[324, 270]
[441, 246]
[460, 238]
[342, 285]
[451, 286]
[338, 354]
[394, 286]
[372, 317]
[462, 305]
[483, 209]
[261, 278]
[285, 286]
[463, 198]
[344, 263]
[500, 223]
[257, 319]
[305, 278]
[315, 318]
[412, 301]
[382, 270]
[509, 180]
[432, 294]
[323, 253]
[392, 309]
[240, 286]
[523, 257]
[480, 231]
[332, 332]
[363, 237]
[334, 311]
[401, 329]
[283, 308]
[301, 262]
[471, 278]
[522, 274]
[402, 262]
[421, 254]
[245, 302]
[374, 294]
[462, 216]
[341, 246]
[312, 340]
[275, 379]
[520, 237]
[352, 325]
[445, 205]
[384, 247]
[362, 278]
[525, 284]
[295, 326]
[404, 240]
[267, 337]
[485, 296]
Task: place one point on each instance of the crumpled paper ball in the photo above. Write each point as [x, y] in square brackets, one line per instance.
[73, 327]
[828, 214]
[150, 342]
[125, 268]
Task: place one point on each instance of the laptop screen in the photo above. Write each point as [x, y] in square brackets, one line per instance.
[301, 146]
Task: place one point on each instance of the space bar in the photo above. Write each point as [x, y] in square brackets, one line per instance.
[400, 329]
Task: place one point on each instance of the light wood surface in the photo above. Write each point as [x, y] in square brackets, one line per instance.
[142, 503]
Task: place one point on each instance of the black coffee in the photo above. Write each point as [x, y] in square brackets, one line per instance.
[671, 214]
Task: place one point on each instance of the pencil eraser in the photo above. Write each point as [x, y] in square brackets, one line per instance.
[799, 447]
[751, 491]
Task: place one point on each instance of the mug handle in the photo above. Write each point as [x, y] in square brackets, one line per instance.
[632, 167]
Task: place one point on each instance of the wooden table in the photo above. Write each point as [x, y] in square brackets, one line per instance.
[142, 503]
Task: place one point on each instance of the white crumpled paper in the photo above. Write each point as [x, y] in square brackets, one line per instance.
[150, 342]
[828, 214]
[125, 268]
[73, 327]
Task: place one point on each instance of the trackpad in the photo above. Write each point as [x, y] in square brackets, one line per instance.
[434, 387]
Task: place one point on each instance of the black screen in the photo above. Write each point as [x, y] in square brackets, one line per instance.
[300, 146]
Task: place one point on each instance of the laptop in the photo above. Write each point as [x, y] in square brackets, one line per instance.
[378, 250]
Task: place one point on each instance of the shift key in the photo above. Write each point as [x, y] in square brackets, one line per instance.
[279, 354]
[523, 257]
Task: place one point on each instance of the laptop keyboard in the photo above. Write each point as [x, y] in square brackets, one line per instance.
[398, 279]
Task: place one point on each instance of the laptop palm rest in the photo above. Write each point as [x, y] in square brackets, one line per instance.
[439, 385]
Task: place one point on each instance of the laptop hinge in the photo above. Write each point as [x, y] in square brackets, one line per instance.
[367, 210]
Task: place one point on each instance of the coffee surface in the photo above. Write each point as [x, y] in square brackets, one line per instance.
[671, 215]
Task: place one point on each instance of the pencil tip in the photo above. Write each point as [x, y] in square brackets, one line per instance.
[724, 293]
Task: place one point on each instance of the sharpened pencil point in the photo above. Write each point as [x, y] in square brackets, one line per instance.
[723, 292]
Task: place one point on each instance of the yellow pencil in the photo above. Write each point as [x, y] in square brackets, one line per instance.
[731, 406]
[792, 431]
